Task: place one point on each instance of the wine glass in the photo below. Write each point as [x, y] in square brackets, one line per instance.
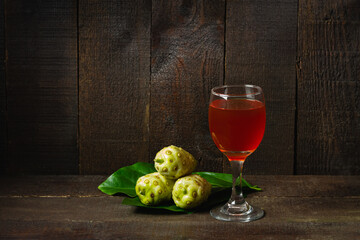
[237, 125]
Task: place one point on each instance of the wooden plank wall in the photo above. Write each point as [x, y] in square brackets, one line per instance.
[90, 86]
[186, 62]
[328, 130]
[41, 85]
[3, 128]
[114, 65]
[260, 49]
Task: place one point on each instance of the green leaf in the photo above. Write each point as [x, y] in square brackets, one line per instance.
[224, 180]
[124, 179]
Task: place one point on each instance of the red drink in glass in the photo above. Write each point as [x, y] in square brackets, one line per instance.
[237, 126]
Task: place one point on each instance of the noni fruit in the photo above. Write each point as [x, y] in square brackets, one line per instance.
[154, 188]
[174, 162]
[191, 191]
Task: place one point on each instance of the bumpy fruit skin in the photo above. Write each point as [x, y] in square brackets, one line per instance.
[191, 191]
[174, 162]
[153, 189]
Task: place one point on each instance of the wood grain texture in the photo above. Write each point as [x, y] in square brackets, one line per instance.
[145, 73]
[261, 50]
[3, 127]
[106, 218]
[114, 68]
[186, 62]
[86, 186]
[41, 79]
[328, 133]
[51, 186]
[297, 207]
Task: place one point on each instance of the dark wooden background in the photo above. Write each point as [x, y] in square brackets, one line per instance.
[89, 86]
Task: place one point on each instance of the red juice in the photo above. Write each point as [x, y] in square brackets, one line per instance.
[237, 126]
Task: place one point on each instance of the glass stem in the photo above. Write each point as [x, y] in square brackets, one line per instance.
[237, 197]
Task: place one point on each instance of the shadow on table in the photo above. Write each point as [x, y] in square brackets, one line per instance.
[215, 199]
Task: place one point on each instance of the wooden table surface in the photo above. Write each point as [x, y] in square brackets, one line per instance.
[71, 207]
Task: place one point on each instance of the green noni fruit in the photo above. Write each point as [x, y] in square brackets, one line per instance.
[154, 188]
[191, 191]
[174, 162]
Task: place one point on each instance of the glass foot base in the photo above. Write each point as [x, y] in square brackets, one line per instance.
[224, 213]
